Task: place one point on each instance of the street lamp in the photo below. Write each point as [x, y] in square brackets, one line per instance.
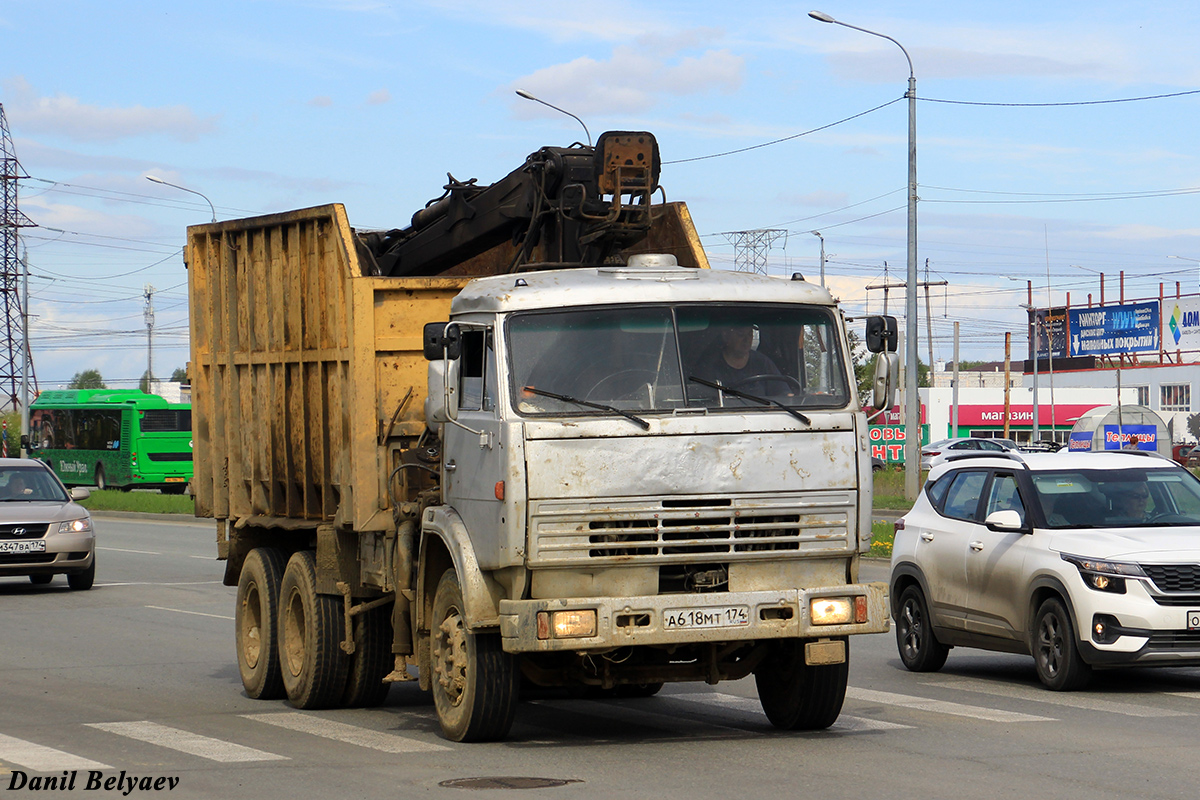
[822, 238]
[912, 404]
[528, 96]
[185, 189]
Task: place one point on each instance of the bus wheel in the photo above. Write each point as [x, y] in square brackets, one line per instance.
[256, 619]
[101, 480]
[475, 683]
[310, 636]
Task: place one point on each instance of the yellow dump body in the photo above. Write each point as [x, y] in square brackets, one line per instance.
[306, 373]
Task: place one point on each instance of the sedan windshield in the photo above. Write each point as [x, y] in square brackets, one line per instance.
[1095, 498]
[27, 485]
[662, 358]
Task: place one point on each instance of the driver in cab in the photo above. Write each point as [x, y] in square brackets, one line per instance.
[735, 363]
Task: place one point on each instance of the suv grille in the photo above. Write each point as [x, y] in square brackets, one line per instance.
[690, 530]
[1174, 577]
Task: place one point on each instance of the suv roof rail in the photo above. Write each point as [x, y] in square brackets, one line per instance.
[987, 454]
[1142, 453]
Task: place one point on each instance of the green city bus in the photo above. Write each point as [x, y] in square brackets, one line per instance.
[113, 439]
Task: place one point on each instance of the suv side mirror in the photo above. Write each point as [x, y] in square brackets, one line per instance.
[1007, 520]
[882, 334]
[887, 372]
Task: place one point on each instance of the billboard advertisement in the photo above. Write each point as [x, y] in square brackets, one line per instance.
[1051, 332]
[1111, 330]
[1181, 323]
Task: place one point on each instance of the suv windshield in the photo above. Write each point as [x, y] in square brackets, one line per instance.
[661, 358]
[29, 484]
[1099, 498]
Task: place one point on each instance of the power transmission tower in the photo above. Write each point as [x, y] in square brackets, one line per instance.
[13, 345]
[750, 248]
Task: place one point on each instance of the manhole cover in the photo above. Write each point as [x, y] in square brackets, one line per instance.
[506, 783]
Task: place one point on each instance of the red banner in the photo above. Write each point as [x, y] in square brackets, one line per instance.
[1064, 414]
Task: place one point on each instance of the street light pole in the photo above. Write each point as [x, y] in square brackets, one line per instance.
[526, 95]
[912, 403]
[185, 189]
[822, 238]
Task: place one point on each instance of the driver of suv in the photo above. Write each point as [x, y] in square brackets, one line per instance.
[1129, 502]
[734, 362]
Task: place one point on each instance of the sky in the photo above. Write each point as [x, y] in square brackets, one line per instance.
[1056, 142]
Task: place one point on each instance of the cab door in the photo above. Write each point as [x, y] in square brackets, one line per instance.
[941, 547]
[995, 565]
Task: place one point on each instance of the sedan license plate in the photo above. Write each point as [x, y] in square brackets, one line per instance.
[1194, 620]
[712, 617]
[35, 546]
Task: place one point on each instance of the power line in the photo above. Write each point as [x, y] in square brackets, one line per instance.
[1051, 105]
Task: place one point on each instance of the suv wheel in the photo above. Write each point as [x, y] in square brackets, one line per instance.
[919, 648]
[1060, 667]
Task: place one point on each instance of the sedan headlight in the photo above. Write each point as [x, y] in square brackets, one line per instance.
[75, 525]
[1104, 576]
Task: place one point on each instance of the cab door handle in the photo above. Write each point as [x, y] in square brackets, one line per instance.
[451, 466]
[928, 537]
[976, 546]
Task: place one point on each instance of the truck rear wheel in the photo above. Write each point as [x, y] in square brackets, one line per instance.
[255, 623]
[475, 683]
[311, 627]
[371, 661]
[797, 696]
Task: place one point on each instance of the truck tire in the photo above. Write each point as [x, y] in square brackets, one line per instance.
[371, 661]
[475, 683]
[256, 619]
[796, 696]
[311, 629]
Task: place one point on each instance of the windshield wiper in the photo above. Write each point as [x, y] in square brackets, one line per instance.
[568, 399]
[720, 387]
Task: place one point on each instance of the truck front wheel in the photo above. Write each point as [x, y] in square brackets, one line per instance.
[798, 696]
[310, 635]
[255, 620]
[475, 683]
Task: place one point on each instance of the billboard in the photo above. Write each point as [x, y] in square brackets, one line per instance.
[1051, 332]
[1181, 323]
[1110, 330]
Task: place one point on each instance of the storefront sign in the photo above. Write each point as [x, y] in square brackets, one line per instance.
[1080, 440]
[1131, 437]
[1181, 323]
[887, 441]
[1022, 415]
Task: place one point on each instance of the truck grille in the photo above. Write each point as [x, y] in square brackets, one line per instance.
[685, 530]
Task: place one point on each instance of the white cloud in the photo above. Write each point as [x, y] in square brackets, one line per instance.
[379, 97]
[66, 116]
[632, 80]
[321, 101]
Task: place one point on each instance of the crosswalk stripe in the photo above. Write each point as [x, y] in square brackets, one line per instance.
[1184, 695]
[1038, 695]
[350, 734]
[40, 758]
[942, 706]
[845, 723]
[186, 742]
[641, 716]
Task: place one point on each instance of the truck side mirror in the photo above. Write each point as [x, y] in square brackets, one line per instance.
[882, 334]
[887, 372]
[442, 340]
[441, 404]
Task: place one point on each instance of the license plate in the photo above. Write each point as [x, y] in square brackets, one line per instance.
[36, 546]
[711, 617]
[174, 480]
[1194, 620]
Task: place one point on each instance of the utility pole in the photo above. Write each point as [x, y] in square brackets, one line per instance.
[750, 248]
[149, 317]
[887, 284]
[13, 343]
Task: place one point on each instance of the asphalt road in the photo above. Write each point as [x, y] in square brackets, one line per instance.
[136, 679]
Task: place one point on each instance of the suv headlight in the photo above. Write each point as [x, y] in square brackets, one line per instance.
[75, 525]
[1104, 576]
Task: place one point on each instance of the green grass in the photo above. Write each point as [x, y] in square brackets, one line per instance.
[882, 534]
[145, 502]
[889, 489]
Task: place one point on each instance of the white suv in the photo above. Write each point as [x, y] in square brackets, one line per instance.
[1081, 559]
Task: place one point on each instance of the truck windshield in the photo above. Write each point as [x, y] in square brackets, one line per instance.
[662, 358]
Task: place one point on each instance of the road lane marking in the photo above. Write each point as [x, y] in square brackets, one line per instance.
[844, 724]
[1184, 695]
[350, 734]
[42, 759]
[151, 583]
[186, 742]
[1038, 695]
[942, 706]
[196, 613]
[124, 550]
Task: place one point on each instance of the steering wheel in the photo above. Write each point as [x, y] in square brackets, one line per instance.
[626, 374]
[772, 376]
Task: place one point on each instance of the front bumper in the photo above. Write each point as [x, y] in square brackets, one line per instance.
[65, 552]
[633, 621]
